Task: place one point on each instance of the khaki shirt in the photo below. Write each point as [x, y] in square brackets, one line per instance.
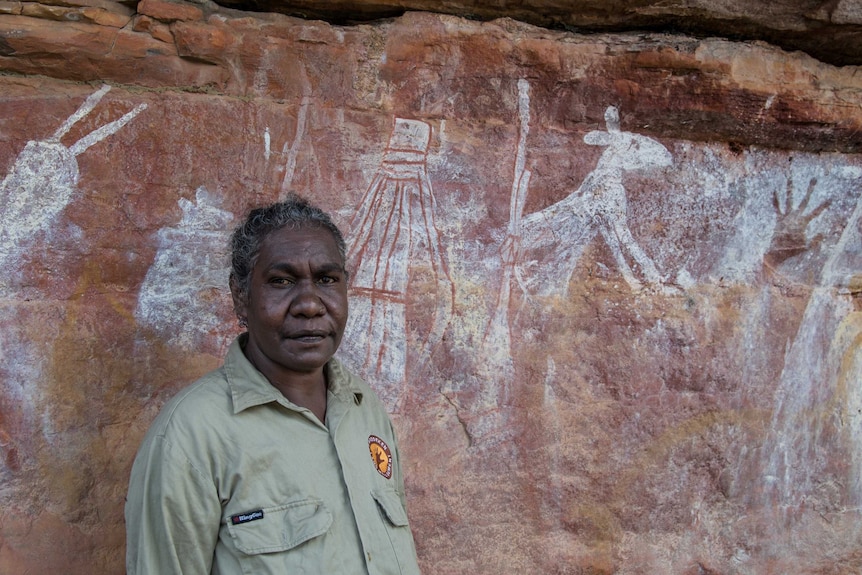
[233, 478]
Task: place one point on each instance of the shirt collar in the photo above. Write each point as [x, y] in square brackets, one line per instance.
[249, 387]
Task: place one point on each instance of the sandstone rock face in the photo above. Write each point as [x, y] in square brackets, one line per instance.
[829, 30]
[627, 337]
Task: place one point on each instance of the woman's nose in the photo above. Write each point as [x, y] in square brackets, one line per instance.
[307, 301]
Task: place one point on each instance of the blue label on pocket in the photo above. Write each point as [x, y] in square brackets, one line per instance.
[246, 517]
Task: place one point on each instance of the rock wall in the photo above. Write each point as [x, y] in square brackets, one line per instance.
[630, 331]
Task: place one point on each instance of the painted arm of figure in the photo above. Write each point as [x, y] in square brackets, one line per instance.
[172, 512]
[790, 238]
[510, 250]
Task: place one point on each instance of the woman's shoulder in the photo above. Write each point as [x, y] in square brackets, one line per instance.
[199, 404]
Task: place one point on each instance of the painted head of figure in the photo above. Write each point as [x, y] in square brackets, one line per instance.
[289, 286]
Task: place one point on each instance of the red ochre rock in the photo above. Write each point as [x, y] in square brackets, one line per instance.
[168, 11]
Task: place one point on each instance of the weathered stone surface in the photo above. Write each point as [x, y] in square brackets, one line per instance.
[158, 30]
[64, 14]
[630, 341]
[169, 11]
[78, 52]
[8, 7]
[718, 86]
[828, 30]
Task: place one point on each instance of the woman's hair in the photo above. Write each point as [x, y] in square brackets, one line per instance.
[245, 242]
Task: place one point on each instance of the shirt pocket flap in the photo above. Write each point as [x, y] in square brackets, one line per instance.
[282, 528]
[390, 503]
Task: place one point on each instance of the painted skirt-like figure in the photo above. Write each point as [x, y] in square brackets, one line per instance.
[396, 258]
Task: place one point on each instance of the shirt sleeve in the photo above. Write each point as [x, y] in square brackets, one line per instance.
[398, 474]
[172, 513]
[411, 563]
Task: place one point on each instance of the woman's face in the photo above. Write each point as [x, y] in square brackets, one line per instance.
[296, 304]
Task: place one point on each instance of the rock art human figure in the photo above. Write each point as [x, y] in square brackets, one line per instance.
[290, 150]
[37, 187]
[182, 290]
[818, 394]
[845, 353]
[598, 205]
[487, 380]
[498, 368]
[41, 181]
[395, 253]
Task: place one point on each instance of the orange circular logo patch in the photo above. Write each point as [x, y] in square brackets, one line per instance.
[380, 455]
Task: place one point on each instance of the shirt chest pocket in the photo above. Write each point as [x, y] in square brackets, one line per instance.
[268, 540]
[390, 504]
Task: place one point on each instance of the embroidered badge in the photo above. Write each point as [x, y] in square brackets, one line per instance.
[246, 517]
[380, 455]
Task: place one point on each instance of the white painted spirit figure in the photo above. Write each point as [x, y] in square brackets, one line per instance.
[394, 243]
[498, 368]
[41, 182]
[818, 395]
[184, 286]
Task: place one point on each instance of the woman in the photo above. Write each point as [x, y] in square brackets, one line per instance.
[281, 461]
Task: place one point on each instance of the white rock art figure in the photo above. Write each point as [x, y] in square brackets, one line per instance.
[291, 152]
[187, 283]
[496, 344]
[394, 243]
[599, 204]
[818, 391]
[38, 186]
[43, 179]
[845, 352]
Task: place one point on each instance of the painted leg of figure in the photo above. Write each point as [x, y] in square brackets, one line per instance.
[613, 243]
[445, 288]
[625, 239]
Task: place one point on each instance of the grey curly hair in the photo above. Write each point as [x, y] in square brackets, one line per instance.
[247, 238]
